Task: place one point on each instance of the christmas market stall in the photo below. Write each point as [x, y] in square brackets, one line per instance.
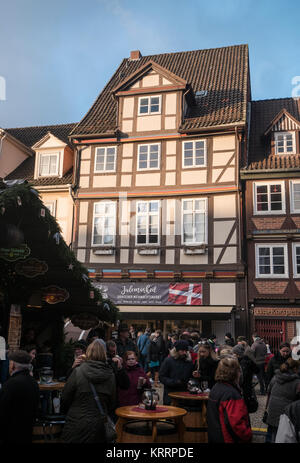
[41, 281]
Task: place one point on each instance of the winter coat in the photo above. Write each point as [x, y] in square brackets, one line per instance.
[249, 368]
[273, 365]
[125, 347]
[175, 373]
[83, 420]
[133, 395]
[259, 349]
[289, 425]
[227, 415]
[143, 344]
[19, 400]
[156, 350]
[207, 370]
[284, 388]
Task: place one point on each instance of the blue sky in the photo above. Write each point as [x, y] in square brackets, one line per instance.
[56, 57]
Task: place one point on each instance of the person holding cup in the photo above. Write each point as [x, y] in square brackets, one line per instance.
[138, 381]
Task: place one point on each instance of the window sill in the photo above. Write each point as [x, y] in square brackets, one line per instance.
[195, 249]
[148, 251]
[104, 250]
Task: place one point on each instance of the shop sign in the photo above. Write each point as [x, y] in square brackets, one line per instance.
[13, 254]
[54, 294]
[277, 312]
[85, 321]
[31, 268]
[130, 293]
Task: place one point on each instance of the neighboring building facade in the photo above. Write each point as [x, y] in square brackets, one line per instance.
[272, 205]
[44, 156]
[158, 207]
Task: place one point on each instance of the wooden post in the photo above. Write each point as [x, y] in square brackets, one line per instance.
[15, 327]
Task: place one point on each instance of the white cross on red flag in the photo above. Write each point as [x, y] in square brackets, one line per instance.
[185, 294]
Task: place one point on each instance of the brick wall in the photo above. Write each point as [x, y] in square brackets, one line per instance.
[271, 287]
[15, 327]
[268, 223]
[296, 220]
[290, 330]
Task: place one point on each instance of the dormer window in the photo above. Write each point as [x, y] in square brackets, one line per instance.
[49, 164]
[285, 142]
[149, 105]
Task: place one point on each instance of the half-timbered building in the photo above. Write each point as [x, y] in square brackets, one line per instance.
[272, 208]
[158, 217]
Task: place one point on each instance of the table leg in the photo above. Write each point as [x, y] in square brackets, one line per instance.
[154, 431]
[180, 429]
[119, 429]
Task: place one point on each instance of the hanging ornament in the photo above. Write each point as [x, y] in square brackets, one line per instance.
[56, 236]
[71, 266]
[43, 212]
[106, 306]
[85, 278]
[92, 294]
[19, 201]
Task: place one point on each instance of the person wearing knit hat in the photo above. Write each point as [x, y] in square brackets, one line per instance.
[19, 399]
[176, 370]
[239, 350]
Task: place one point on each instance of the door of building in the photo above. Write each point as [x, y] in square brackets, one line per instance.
[273, 331]
[220, 328]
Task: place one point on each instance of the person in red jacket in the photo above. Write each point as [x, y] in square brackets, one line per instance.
[133, 395]
[227, 414]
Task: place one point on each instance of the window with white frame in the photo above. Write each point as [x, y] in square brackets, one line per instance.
[149, 156]
[194, 221]
[149, 105]
[147, 222]
[48, 164]
[296, 259]
[285, 142]
[271, 261]
[51, 205]
[269, 198]
[194, 153]
[295, 196]
[104, 223]
[105, 159]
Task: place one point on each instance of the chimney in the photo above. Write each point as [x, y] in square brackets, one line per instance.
[135, 55]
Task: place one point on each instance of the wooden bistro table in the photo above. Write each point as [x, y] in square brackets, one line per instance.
[195, 419]
[51, 387]
[133, 413]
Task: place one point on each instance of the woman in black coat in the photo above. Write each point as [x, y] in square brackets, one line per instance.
[206, 364]
[248, 369]
[276, 361]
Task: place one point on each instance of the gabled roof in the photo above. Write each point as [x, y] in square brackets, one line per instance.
[151, 65]
[283, 114]
[223, 72]
[264, 113]
[29, 136]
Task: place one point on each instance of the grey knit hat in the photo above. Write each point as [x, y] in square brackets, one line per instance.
[239, 350]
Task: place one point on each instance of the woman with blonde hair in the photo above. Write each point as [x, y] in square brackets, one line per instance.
[227, 414]
[206, 364]
[84, 423]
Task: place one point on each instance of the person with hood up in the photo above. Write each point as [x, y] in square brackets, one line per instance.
[84, 423]
[279, 358]
[176, 370]
[284, 389]
[259, 350]
[137, 381]
[249, 368]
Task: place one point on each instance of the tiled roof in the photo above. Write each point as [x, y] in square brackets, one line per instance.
[262, 114]
[223, 72]
[31, 135]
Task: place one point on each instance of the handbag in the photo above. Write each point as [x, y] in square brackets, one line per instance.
[109, 426]
[265, 416]
[252, 402]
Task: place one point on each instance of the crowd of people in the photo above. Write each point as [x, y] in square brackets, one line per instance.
[115, 372]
